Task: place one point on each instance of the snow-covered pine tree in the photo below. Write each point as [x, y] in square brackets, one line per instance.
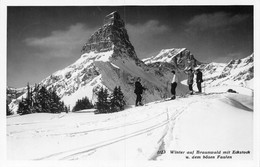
[36, 102]
[25, 106]
[64, 107]
[21, 107]
[29, 97]
[102, 103]
[121, 99]
[8, 112]
[55, 104]
[43, 99]
[117, 101]
[114, 104]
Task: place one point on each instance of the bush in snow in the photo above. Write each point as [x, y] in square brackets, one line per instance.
[231, 91]
[81, 104]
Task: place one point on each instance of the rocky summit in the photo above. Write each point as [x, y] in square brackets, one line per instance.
[111, 36]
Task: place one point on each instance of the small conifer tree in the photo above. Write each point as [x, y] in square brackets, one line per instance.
[102, 103]
[117, 101]
[8, 112]
[41, 100]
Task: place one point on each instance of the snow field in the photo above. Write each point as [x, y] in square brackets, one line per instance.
[75, 132]
[199, 122]
[211, 125]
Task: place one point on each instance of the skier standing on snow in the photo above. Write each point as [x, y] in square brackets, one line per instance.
[138, 91]
[190, 80]
[199, 79]
[174, 85]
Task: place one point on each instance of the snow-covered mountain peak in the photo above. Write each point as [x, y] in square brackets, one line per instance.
[84, 61]
[111, 36]
[165, 55]
[114, 19]
[239, 72]
[180, 58]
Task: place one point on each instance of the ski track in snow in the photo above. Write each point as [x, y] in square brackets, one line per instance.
[106, 143]
[71, 154]
[156, 117]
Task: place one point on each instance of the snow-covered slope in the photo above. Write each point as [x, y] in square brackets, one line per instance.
[13, 93]
[200, 122]
[238, 73]
[180, 58]
[165, 55]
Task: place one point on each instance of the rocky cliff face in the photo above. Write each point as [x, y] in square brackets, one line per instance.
[111, 36]
[238, 72]
[14, 93]
[180, 58]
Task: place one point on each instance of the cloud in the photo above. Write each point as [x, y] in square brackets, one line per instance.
[61, 43]
[215, 21]
[151, 27]
[147, 37]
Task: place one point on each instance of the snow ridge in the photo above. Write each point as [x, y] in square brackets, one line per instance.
[165, 55]
[238, 72]
[136, 133]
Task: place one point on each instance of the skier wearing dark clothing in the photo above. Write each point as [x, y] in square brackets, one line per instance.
[199, 79]
[174, 85]
[138, 91]
[190, 80]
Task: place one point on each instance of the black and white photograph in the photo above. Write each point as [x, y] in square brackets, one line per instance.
[130, 83]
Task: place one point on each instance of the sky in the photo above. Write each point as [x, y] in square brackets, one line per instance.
[42, 40]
